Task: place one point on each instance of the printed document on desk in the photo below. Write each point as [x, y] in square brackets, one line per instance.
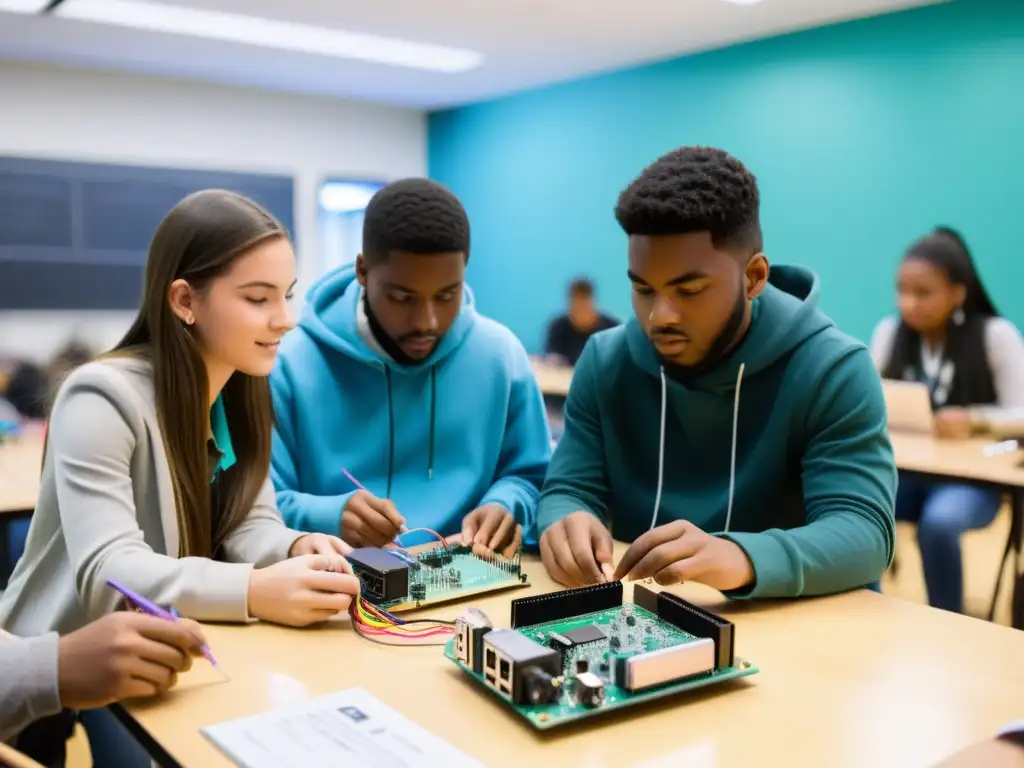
[349, 727]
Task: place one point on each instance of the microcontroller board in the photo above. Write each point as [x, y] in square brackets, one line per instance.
[398, 579]
[581, 652]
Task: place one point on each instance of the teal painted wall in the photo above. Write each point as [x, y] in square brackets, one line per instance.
[862, 135]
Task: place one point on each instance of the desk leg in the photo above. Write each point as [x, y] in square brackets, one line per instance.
[1017, 537]
[1013, 545]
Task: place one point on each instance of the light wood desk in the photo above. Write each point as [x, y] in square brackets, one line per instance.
[851, 680]
[965, 461]
[21, 461]
[552, 379]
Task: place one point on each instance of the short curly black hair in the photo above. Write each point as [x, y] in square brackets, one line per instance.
[695, 189]
[415, 215]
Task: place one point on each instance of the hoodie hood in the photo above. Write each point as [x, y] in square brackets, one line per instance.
[782, 317]
[330, 318]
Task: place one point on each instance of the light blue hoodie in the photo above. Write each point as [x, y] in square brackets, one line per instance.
[465, 428]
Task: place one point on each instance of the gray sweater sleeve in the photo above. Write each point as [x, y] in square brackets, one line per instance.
[29, 688]
[882, 341]
[91, 447]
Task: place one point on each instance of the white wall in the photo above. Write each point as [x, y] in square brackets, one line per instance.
[48, 112]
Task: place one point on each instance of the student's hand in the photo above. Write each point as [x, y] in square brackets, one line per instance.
[492, 528]
[368, 521]
[681, 551]
[952, 423]
[124, 655]
[577, 550]
[301, 591]
[331, 547]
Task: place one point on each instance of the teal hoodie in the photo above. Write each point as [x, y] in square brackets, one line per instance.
[815, 477]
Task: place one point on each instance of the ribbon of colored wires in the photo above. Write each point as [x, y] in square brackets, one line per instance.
[378, 625]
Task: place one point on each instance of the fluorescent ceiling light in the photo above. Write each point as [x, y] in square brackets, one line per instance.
[286, 35]
[23, 6]
[743, 2]
[345, 196]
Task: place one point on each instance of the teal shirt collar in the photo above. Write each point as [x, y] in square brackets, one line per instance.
[221, 435]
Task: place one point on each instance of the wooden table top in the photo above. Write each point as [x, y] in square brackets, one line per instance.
[552, 379]
[957, 459]
[851, 680]
[20, 463]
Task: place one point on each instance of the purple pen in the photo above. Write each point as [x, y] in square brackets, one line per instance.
[147, 606]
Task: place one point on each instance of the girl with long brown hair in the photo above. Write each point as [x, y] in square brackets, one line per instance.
[156, 471]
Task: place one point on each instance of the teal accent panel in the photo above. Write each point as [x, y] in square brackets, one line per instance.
[863, 136]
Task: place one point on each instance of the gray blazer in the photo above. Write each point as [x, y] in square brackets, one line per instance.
[106, 510]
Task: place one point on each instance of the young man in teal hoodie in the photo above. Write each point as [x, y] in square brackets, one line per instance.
[396, 404]
[728, 430]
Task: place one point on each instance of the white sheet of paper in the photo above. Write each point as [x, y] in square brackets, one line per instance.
[349, 727]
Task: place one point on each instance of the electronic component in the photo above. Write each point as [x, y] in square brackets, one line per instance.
[509, 658]
[396, 579]
[665, 665]
[437, 558]
[584, 635]
[605, 656]
[588, 689]
[470, 628]
[539, 687]
[553, 606]
[383, 575]
[693, 620]
[561, 644]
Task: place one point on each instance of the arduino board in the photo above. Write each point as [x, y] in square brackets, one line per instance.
[398, 579]
[581, 652]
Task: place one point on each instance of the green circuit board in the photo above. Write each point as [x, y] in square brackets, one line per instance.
[443, 574]
[628, 630]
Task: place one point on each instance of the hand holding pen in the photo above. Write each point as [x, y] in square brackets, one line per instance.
[147, 606]
[124, 655]
[369, 521]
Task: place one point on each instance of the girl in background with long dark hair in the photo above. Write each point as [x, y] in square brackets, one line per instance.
[950, 337]
[156, 470]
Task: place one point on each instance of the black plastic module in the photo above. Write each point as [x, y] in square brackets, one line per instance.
[528, 611]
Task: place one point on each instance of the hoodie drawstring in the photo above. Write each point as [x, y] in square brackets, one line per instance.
[391, 431]
[391, 426]
[661, 449]
[433, 409]
[732, 457]
[732, 461]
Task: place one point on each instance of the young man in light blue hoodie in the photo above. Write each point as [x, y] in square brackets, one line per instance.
[397, 405]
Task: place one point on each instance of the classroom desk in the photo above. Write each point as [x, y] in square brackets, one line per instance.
[552, 379]
[854, 680]
[964, 461]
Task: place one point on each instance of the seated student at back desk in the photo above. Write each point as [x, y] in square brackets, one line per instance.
[568, 334]
[729, 430]
[393, 377]
[949, 337]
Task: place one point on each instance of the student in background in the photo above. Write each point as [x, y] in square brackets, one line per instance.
[395, 378]
[569, 333]
[729, 430]
[124, 655]
[156, 471]
[950, 337]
